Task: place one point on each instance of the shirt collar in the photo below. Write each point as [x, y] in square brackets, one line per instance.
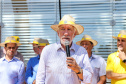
[13, 59]
[60, 47]
[93, 56]
[38, 56]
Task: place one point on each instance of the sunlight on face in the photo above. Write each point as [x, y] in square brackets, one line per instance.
[87, 45]
[66, 32]
[121, 44]
[10, 49]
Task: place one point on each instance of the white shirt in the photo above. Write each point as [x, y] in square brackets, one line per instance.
[99, 67]
[53, 68]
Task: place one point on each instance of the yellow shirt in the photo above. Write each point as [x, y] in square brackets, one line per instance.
[115, 64]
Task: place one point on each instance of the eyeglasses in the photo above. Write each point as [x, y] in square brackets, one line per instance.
[11, 47]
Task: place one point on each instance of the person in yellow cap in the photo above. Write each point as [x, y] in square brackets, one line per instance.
[11, 69]
[116, 62]
[17, 54]
[35, 45]
[32, 65]
[55, 67]
[98, 63]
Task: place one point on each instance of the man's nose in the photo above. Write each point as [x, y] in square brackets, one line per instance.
[66, 32]
[84, 46]
[120, 42]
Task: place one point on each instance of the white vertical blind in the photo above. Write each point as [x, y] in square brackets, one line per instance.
[29, 19]
[96, 17]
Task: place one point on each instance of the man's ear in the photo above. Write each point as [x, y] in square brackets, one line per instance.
[5, 48]
[58, 32]
[75, 33]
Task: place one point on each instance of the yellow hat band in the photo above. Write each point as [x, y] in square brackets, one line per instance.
[85, 39]
[121, 35]
[10, 41]
[66, 22]
[43, 44]
[35, 42]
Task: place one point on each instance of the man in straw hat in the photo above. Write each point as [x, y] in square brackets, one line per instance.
[55, 67]
[98, 63]
[34, 44]
[32, 65]
[11, 69]
[17, 54]
[116, 62]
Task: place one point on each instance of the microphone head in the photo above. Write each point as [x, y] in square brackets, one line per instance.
[67, 42]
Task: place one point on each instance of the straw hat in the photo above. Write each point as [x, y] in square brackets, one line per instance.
[17, 39]
[10, 40]
[40, 42]
[122, 34]
[87, 38]
[67, 19]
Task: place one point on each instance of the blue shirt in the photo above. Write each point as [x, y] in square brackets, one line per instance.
[99, 67]
[11, 72]
[53, 68]
[31, 70]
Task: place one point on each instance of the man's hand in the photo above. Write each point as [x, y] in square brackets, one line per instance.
[122, 55]
[34, 82]
[71, 62]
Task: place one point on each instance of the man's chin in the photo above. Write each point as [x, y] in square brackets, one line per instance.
[120, 48]
[65, 40]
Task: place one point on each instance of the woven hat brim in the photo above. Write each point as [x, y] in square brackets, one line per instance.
[79, 28]
[114, 37]
[93, 41]
[3, 44]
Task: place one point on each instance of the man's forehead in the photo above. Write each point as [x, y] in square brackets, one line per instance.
[11, 44]
[66, 25]
[121, 38]
[85, 41]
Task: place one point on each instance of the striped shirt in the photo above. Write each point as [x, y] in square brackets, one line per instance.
[53, 68]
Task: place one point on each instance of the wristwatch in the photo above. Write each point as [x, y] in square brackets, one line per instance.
[80, 71]
[124, 60]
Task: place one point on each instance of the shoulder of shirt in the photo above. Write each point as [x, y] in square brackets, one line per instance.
[51, 46]
[113, 54]
[98, 57]
[34, 58]
[17, 60]
[80, 49]
[1, 59]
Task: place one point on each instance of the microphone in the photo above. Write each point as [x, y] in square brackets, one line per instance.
[67, 48]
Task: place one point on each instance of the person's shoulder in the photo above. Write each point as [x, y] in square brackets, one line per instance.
[1, 59]
[17, 60]
[33, 58]
[99, 58]
[50, 47]
[80, 49]
[113, 55]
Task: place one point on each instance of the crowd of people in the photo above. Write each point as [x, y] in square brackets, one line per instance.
[53, 66]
